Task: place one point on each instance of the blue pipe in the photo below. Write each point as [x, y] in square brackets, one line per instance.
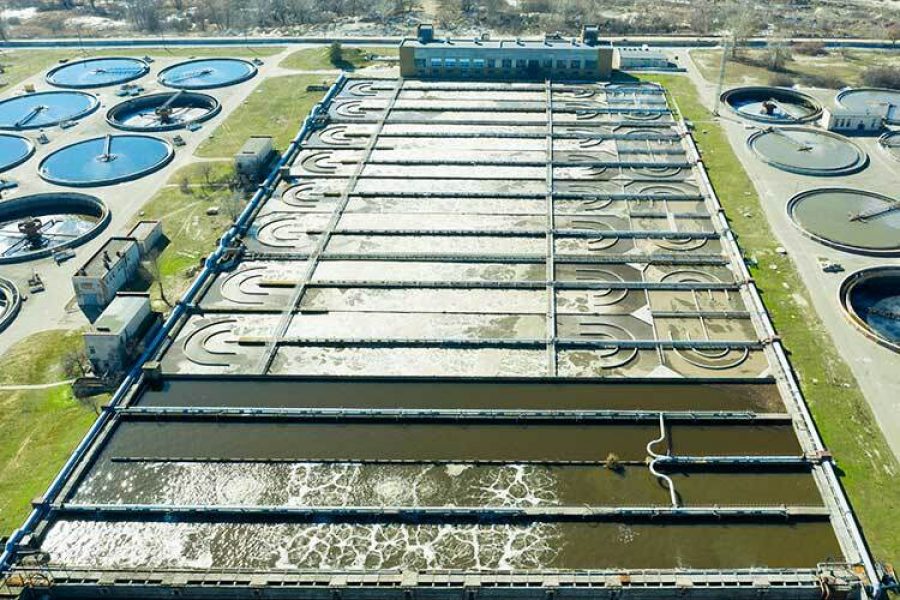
[262, 193]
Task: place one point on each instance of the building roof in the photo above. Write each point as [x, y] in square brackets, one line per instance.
[113, 248]
[256, 144]
[640, 51]
[143, 229]
[121, 312]
[473, 43]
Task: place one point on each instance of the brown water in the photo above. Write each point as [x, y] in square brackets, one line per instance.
[159, 545]
[447, 441]
[422, 485]
[761, 397]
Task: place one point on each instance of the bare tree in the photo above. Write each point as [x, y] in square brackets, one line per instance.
[74, 363]
[156, 275]
[742, 24]
[145, 14]
[778, 53]
[233, 204]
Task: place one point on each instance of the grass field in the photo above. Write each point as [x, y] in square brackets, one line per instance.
[38, 428]
[316, 59]
[22, 64]
[191, 232]
[276, 107]
[806, 70]
[869, 468]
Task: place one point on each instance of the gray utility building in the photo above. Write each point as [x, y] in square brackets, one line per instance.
[113, 340]
[847, 120]
[110, 268]
[481, 58]
[105, 273]
[640, 57]
[253, 158]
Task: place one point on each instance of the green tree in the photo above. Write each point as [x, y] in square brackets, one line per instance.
[336, 54]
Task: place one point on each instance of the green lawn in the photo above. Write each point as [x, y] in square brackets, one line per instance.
[38, 428]
[192, 233]
[19, 65]
[869, 468]
[22, 64]
[276, 107]
[807, 70]
[316, 59]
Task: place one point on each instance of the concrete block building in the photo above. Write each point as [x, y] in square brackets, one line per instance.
[147, 234]
[105, 273]
[854, 121]
[113, 340]
[640, 57]
[427, 57]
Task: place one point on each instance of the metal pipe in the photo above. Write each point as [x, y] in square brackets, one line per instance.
[658, 458]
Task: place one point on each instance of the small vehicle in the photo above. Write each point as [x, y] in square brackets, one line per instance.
[829, 266]
[35, 283]
[61, 256]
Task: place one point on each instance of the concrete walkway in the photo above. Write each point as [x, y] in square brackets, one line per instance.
[875, 368]
[36, 386]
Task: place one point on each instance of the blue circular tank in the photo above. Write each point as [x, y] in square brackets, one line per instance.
[14, 150]
[45, 109]
[106, 160]
[97, 72]
[207, 73]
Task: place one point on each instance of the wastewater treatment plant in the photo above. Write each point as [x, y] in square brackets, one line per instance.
[472, 337]
[490, 336]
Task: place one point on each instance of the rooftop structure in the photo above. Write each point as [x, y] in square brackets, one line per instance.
[111, 342]
[101, 277]
[640, 57]
[482, 58]
[470, 340]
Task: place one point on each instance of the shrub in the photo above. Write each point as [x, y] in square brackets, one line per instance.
[811, 48]
[336, 54]
[885, 77]
[781, 80]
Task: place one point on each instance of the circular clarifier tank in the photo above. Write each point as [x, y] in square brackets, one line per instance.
[45, 109]
[163, 112]
[890, 143]
[848, 219]
[97, 72]
[203, 74]
[874, 100]
[772, 104]
[808, 151]
[10, 302]
[14, 150]
[871, 298]
[106, 160]
[35, 226]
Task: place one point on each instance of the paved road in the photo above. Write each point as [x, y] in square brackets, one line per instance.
[876, 369]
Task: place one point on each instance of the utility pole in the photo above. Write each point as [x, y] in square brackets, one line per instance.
[721, 82]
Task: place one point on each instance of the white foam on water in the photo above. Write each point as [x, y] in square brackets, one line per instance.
[300, 546]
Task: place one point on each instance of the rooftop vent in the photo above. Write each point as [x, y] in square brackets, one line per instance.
[425, 33]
